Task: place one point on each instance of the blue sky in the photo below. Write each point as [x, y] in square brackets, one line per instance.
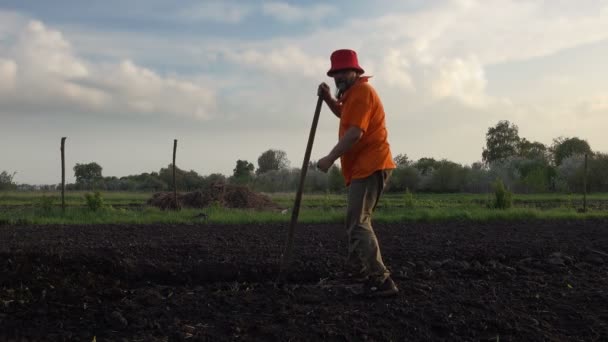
[230, 79]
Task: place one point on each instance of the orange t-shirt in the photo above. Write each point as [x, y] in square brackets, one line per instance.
[361, 107]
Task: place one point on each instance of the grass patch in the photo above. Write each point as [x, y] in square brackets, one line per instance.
[109, 215]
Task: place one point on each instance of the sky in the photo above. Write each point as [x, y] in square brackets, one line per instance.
[232, 79]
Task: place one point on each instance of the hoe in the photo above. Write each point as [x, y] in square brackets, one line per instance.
[286, 256]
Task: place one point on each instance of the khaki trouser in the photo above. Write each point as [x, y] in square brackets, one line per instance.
[363, 251]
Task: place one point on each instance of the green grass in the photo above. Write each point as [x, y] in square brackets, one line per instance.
[155, 215]
[71, 197]
[75, 198]
[239, 216]
[30, 208]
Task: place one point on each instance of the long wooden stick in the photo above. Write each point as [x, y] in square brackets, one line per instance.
[63, 174]
[174, 184]
[286, 256]
[585, 186]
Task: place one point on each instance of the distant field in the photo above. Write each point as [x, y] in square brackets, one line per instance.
[129, 207]
[422, 200]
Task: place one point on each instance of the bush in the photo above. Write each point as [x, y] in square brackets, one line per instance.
[408, 199]
[504, 198]
[45, 203]
[570, 174]
[402, 178]
[477, 179]
[598, 173]
[94, 201]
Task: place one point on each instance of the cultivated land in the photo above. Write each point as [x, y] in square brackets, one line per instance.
[534, 272]
[509, 281]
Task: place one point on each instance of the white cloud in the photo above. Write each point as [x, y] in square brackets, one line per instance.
[463, 79]
[283, 60]
[499, 31]
[218, 11]
[8, 74]
[42, 72]
[283, 11]
[46, 52]
[427, 50]
[592, 106]
[10, 22]
[395, 69]
[141, 90]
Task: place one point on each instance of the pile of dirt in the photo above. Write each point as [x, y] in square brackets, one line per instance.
[224, 195]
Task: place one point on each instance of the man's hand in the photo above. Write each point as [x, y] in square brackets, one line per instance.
[325, 163]
[324, 92]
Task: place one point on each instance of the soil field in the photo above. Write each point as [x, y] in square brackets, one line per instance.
[515, 281]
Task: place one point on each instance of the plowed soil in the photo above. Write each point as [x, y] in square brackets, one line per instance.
[458, 281]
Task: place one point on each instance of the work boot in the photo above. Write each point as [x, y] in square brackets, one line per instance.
[386, 288]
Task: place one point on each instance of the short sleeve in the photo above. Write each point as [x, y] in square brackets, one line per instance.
[357, 109]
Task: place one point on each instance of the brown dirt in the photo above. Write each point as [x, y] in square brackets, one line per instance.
[225, 195]
[459, 281]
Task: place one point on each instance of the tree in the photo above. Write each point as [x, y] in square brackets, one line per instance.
[532, 150]
[215, 178]
[401, 160]
[6, 181]
[447, 177]
[243, 172]
[502, 141]
[565, 147]
[87, 174]
[426, 165]
[284, 180]
[403, 178]
[598, 173]
[335, 179]
[184, 180]
[272, 160]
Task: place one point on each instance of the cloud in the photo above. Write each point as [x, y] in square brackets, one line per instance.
[592, 106]
[218, 11]
[395, 69]
[282, 60]
[285, 12]
[8, 74]
[41, 72]
[499, 31]
[463, 79]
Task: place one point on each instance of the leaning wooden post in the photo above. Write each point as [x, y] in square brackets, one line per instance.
[63, 174]
[174, 184]
[585, 186]
[286, 256]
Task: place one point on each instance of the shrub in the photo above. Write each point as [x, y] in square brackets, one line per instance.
[94, 201]
[408, 199]
[503, 198]
[45, 203]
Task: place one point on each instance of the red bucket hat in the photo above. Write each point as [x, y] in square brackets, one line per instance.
[344, 59]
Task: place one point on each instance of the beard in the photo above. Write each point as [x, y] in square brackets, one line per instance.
[342, 85]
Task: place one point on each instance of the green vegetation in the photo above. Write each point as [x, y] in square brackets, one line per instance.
[504, 198]
[129, 207]
[110, 215]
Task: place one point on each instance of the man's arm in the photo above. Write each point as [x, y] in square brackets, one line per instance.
[332, 103]
[335, 106]
[348, 140]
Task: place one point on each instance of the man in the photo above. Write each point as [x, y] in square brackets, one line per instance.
[366, 162]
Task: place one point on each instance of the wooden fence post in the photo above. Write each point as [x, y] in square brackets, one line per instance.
[585, 186]
[174, 184]
[63, 174]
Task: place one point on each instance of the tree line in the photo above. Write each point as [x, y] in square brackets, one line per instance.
[524, 166]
